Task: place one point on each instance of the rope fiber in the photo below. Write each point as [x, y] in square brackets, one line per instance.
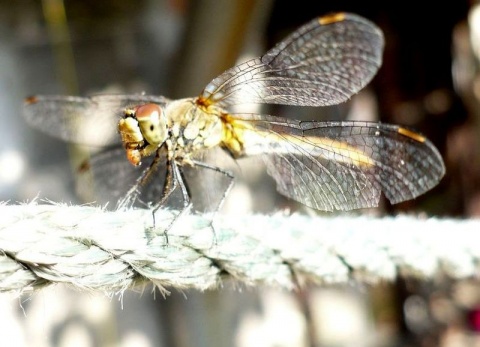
[93, 249]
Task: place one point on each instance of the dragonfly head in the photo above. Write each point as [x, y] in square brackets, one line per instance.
[143, 129]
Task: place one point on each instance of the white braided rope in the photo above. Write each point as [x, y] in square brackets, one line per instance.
[93, 249]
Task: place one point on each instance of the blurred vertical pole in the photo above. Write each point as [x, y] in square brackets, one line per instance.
[214, 37]
[56, 19]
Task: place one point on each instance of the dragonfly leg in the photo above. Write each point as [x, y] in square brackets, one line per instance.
[174, 179]
[130, 197]
[225, 192]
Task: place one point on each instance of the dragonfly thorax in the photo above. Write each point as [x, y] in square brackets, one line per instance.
[193, 127]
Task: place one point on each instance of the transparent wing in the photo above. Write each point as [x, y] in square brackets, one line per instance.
[107, 177]
[323, 63]
[83, 120]
[343, 165]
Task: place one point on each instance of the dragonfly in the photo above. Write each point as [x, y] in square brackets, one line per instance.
[158, 143]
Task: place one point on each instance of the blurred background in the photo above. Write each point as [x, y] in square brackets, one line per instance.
[429, 81]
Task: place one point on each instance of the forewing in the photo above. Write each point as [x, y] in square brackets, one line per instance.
[83, 120]
[324, 62]
[345, 165]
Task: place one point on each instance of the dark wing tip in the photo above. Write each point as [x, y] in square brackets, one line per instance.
[418, 137]
[332, 18]
[411, 134]
[33, 99]
[84, 166]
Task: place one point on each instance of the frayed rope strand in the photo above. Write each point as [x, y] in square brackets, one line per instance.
[94, 249]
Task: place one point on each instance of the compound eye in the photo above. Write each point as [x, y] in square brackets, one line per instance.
[152, 123]
[148, 111]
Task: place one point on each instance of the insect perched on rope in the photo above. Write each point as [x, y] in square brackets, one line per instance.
[331, 165]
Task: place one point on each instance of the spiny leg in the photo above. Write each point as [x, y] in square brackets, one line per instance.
[225, 192]
[173, 179]
[129, 199]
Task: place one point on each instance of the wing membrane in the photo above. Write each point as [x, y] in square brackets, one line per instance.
[84, 120]
[344, 165]
[323, 63]
[107, 177]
